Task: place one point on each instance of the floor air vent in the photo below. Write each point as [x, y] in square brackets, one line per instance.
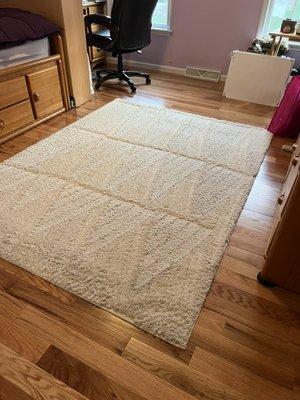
[203, 74]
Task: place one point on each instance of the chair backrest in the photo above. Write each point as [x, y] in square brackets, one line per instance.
[133, 17]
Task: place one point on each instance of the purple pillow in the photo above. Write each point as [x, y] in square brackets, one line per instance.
[18, 26]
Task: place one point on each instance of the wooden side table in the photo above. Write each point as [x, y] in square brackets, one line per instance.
[276, 44]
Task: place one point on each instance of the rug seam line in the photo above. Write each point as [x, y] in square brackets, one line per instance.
[202, 160]
[104, 193]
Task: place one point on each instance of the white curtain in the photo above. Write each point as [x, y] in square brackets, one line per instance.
[265, 21]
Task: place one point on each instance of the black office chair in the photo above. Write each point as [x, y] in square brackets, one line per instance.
[127, 31]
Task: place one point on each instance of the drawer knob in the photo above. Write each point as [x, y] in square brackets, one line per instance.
[294, 147]
[36, 96]
[281, 199]
[2, 125]
[295, 161]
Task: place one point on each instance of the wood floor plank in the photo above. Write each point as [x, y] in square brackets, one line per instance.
[253, 287]
[282, 352]
[31, 380]
[82, 378]
[245, 357]
[294, 332]
[254, 220]
[258, 313]
[250, 239]
[197, 383]
[8, 391]
[10, 274]
[108, 363]
[240, 267]
[249, 384]
[248, 257]
[94, 322]
[23, 343]
[257, 203]
[86, 324]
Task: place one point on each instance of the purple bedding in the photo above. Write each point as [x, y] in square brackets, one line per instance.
[19, 26]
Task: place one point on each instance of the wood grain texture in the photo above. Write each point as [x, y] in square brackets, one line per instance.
[22, 342]
[246, 343]
[15, 117]
[45, 91]
[9, 391]
[82, 378]
[247, 383]
[25, 377]
[196, 382]
[13, 91]
[30, 93]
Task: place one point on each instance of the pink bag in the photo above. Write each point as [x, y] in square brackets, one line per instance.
[286, 121]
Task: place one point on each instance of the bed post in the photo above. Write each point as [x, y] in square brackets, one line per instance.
[57, 48]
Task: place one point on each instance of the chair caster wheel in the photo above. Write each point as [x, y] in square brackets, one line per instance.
[97, 86]
[148, 81]
[133, 89]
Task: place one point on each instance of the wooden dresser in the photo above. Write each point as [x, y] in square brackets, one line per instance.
[96, 56]
[31, 93]
[282, 266]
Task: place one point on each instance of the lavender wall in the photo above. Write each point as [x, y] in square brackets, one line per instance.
[296, 55]
[205, 33]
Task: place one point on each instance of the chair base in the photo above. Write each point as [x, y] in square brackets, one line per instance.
[121, 75]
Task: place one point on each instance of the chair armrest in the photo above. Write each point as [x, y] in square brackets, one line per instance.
[101, 20]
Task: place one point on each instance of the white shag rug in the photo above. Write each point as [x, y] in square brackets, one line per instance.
[131, 208]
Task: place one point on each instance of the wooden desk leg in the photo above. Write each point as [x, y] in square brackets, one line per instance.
[273, 46]
[278, 46]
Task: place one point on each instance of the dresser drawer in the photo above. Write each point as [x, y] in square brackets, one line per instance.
[13, 91]
[45, 91]
[15, 117]
[97, 53]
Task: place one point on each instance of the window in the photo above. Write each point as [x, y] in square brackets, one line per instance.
[161, 16]
[275, 11]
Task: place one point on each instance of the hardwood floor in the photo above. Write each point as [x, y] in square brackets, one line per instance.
[246, 343]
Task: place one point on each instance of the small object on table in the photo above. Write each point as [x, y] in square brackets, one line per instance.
[288, 26]
[276, 45]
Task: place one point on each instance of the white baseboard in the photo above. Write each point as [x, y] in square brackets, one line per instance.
[156, 67]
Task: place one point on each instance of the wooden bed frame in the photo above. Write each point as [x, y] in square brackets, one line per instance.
[33, 92]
